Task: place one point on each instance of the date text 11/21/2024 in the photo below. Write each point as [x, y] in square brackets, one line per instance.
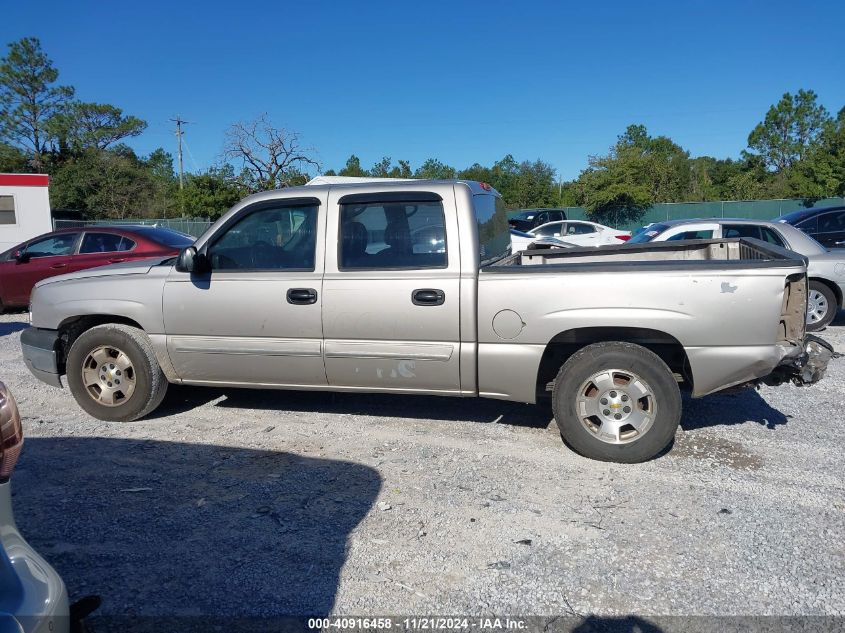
[433, 623]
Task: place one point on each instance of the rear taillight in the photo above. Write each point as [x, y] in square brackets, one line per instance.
[624, 238]
[11, 433]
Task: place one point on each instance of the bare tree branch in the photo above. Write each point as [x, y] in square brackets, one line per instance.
[268, 157]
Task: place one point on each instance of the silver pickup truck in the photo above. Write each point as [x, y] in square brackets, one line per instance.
[410, 287]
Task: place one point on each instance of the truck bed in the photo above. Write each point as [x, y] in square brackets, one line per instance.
[731, 252]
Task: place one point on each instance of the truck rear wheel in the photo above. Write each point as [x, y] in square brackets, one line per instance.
[616, 402]
[113, 373]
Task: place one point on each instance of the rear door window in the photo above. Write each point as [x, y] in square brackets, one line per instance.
[105, 243]
[550, 230]
[577, 228]
[392, 235]
[810, 225]
[832, 222]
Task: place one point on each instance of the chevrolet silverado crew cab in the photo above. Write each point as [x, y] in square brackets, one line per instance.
[410, 287]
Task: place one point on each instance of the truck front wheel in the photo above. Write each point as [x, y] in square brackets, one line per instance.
[616, 402]
[113, 373]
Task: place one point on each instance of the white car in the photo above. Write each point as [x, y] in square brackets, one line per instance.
[825, 268]
[573, 232]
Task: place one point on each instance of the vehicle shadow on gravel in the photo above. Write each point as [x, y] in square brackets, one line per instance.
[182, 398]
[730, 409]
[181, 530]
[11, 327]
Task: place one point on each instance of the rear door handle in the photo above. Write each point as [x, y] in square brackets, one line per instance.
[117, 260]
[428, 297]
[58, 266]
[302, 296]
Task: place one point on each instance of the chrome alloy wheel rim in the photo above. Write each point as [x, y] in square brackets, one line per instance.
[817, 306]
[616, 406]
[108, 376]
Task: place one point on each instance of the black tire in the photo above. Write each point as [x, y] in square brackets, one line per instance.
[831, 303]
[150, 384]
[664, 399]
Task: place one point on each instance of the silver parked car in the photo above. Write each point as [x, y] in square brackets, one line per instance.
[411, 287]
[825, 268]
[33, 598]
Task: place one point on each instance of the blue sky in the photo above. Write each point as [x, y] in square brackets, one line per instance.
[460, 81]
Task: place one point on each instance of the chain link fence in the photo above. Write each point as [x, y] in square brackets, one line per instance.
[746, 209]
[195, 227]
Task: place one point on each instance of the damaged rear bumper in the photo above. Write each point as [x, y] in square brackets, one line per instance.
[805, 368]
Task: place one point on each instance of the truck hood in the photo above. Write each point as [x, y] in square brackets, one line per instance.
[138, 267]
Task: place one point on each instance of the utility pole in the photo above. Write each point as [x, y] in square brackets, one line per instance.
[179, 123]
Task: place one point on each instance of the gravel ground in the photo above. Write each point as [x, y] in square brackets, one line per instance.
[257, 503]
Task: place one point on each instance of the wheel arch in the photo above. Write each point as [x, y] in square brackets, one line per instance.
[71, 327]
[564, 344]
[837, 291]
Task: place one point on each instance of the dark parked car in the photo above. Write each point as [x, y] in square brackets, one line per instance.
[528, 219]
[69, 250]
[826, 225]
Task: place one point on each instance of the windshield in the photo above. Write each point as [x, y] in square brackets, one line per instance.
[494, 236]
[796, 216]
[525, 215]
[168, 237]
[648, 234]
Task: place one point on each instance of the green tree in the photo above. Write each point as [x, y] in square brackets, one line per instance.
[29, 98]
[104, 184]
[534, 185]
[210, 194]
[433, 169]
[790, 130]
[386, 169]
[821, 173]
[638, 171]
[353, 168]
[81, 126]
[12, 160]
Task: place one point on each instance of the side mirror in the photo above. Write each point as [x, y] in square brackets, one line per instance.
[190, 261]
[22, 257]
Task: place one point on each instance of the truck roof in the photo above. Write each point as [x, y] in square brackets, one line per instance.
[353, 182]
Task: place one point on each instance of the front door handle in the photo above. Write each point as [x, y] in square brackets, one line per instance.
[58, 266]
[302, 296]
[117, 260]
[428, 297]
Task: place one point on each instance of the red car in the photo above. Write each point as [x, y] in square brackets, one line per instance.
[69, 250]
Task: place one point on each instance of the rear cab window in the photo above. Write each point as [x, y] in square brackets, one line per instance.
[494, 238]
[648, 234]
[771, 237]
[741, 230]
[690, 235]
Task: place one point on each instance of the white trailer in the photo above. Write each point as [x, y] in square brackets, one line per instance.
[24, 208]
